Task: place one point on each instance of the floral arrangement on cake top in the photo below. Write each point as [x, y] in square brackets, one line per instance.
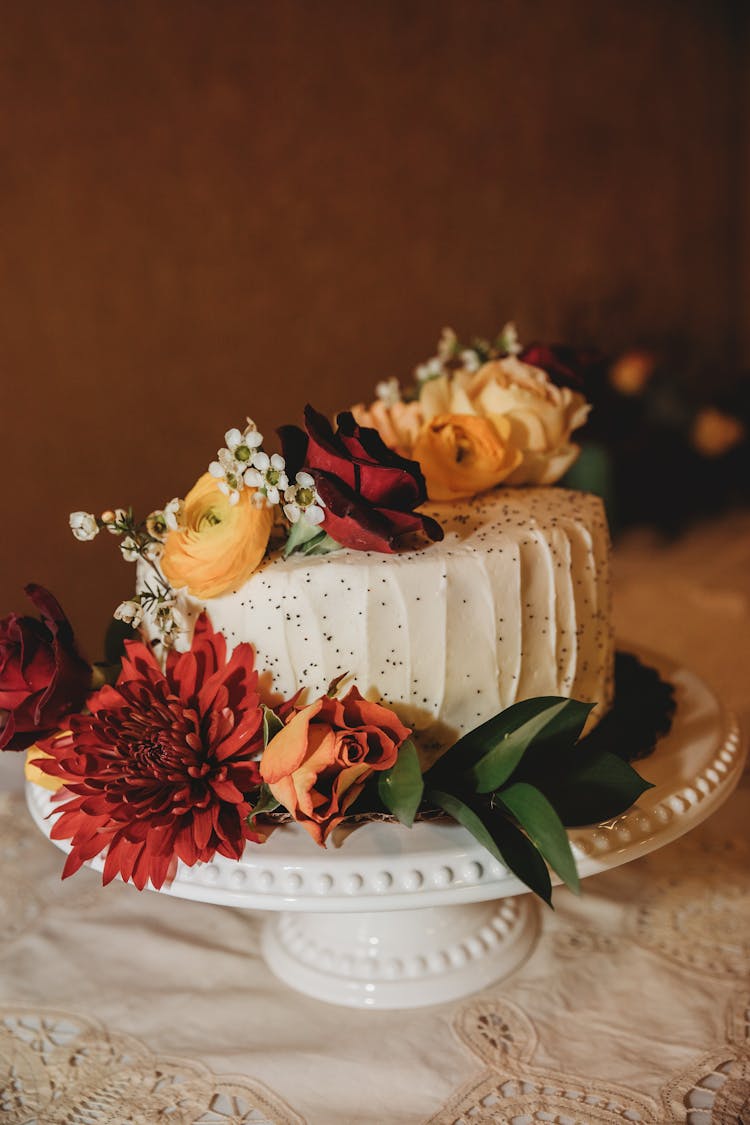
[475, 417]
[485, 414]
[159, 756]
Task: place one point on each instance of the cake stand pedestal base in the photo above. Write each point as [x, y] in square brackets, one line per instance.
[401, 958]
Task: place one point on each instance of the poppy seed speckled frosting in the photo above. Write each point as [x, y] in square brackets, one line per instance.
[513, 603]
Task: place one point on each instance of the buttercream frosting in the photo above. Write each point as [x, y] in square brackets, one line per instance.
[513, 603]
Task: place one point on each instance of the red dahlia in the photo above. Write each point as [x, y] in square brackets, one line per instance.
[162, 767]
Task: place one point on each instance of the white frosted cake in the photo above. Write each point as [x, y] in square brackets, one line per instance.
[513, 603]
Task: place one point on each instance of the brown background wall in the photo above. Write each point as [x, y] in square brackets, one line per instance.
[219, 208]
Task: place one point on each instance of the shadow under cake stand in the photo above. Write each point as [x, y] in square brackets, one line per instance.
[403, 918]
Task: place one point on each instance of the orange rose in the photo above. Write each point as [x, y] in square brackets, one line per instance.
[317, 766]
[462, 454]
[220, 544]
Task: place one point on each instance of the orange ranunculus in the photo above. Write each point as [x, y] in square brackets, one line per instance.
[462, 454]
[317, 766]
[220, 544]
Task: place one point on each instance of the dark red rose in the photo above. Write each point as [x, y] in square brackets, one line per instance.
[566, 366]
[43, 677]
[369, 491]
[163, 767]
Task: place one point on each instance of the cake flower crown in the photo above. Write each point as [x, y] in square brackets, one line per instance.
[164, 755]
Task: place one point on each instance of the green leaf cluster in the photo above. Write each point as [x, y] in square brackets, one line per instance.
[515, 783]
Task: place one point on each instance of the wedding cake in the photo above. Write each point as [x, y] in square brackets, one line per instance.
[400, 614]
[512, 603]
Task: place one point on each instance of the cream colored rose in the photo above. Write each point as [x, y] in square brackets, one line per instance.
[398, 423]
[542, 415]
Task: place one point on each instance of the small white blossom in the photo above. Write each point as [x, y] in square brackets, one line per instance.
[153, 551]
[389, 391]
[84, 526]
[233, 461]
[174, 514]
[302, 502]
[169, 622]
[429, 370]
[509, 339]
[129, 549]
[130, 612]
[268, 476]
[470, 360]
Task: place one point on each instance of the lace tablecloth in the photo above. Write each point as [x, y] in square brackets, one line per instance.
[635, 1006]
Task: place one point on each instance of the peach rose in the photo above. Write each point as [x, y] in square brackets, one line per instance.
[542, 415]
[461, 455]
[398, 423]
[220, 544]
[317, 765]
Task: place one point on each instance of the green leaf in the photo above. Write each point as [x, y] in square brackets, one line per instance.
[321, 546]
[494, 769]
[301, 533]
[544, 828]
[467, 816]
[590, 788]
[266, 803]
[272, 724]
[309, 539]
[501, 838]
[564, 724]
[401, 787]
[522, 857]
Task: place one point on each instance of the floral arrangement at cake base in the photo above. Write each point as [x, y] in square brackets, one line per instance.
[186, 761]
[172, 751]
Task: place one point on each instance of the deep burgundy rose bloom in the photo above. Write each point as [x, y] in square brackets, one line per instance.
[162, 767]
[43, 677]
[369, 492]
[566, 366]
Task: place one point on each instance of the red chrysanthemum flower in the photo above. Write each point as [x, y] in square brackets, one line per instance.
[163, 765]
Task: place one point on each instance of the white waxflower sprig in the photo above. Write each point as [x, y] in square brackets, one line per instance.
[389, 391]
[302, 501]
[140, 541]
[242, 463]
[452, 355]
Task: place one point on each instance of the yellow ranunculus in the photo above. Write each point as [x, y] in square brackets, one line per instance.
[461, 455]
[542, 415]
[220, 544]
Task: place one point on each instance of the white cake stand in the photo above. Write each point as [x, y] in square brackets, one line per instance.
[400, 918]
